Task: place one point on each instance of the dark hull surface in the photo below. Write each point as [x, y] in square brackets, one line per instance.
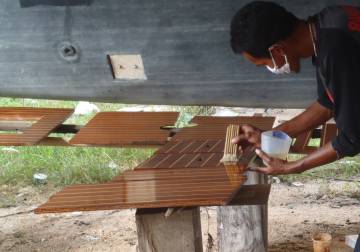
[184, 45]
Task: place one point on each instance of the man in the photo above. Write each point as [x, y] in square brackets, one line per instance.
[268, 35]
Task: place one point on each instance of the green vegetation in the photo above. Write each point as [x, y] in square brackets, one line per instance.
[345, 169]
[67, 165]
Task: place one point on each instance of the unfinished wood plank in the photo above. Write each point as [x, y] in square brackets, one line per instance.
[178, 233]
[257, 194]
[43, 121]
[243, 228]
[126, 129]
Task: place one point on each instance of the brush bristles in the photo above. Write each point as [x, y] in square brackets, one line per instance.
[231, 152]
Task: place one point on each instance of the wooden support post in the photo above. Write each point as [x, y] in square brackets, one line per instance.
[243, 228]
[178, 233]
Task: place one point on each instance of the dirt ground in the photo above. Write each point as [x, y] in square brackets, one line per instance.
[295, 212]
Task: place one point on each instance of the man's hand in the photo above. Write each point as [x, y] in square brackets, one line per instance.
[249, 135]
[274, 166]
[324, 155]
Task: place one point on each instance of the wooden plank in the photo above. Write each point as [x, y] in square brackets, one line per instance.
[43, 122]
[178, 233]
[244, 228]
[193, 146]
[24, 125]
[252, 195]
[187, 153]
[125, 128]
[181, 174]
[173, 174]
[172, 189]
[301, 144]
[214, 128]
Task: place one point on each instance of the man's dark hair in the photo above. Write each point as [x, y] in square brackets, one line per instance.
[258, 25]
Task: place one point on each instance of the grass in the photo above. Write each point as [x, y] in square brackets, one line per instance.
[347, 168]
[70, 165]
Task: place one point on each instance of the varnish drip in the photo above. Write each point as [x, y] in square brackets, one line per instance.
[231, 151]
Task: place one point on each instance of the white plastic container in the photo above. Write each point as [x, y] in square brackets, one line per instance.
[276, 144]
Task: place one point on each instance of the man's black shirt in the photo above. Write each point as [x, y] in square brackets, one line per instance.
[338, 73]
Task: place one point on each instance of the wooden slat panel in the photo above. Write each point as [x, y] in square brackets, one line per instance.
[126, 128]
[177, 154]
[214, 128]
[153, 161]
[162, 188]
[182, 173]
[152, 188]
[257, 121]
[184, 161]
[202, 160]
[46, 120]
[193, 146]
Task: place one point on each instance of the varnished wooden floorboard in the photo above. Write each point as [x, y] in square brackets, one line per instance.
[125, 128]
[42, 121]
[184, 172]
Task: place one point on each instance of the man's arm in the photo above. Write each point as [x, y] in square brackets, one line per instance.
[311, 118]
[322, 156]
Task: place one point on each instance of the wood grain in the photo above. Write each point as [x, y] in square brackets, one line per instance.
[43, 121]
[163, 188]
[212, 127]
[125, 128]
[182, 173]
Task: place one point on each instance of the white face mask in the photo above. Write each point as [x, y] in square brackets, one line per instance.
[285, 69]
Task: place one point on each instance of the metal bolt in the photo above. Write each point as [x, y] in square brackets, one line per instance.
[69, 51]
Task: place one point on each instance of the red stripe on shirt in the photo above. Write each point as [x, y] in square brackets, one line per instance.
[353, 14]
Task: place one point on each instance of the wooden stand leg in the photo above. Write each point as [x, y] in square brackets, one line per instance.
[178, 233]
[243, 228]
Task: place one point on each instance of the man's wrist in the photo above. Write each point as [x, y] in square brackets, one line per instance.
[297, 166]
